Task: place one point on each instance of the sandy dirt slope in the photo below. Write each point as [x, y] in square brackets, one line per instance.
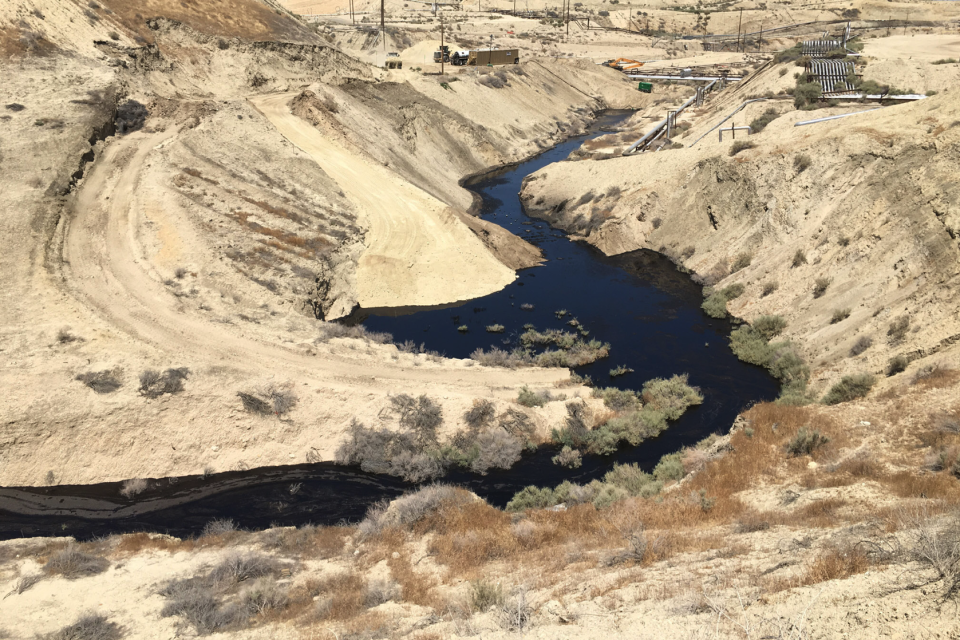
[418, 252]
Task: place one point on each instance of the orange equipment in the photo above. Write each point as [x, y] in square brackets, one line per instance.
[624, 63]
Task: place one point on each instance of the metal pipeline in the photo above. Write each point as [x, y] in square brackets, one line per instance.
[842, 115]
[735, 111]
[663, 123]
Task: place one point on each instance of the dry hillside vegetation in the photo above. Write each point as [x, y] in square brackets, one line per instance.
[774, 527]
[809, 224]
[196, 189]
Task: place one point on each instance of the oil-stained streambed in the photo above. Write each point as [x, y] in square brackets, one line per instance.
[638, 302]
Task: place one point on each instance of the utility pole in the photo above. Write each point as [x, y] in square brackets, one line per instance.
[383, 31]
[441, 44]
[739, 25]
[761, 37]
[568, 20]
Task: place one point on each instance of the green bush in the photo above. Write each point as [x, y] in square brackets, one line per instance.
[531, 498]
[768, 116]
[769, 288]
[897, 365]
[806, 442]
[742, 262]
[769, 327]
[632, 479]
[617, 399]
[531, 398]
[850, 388]
[485, 594]
[806, 94]
[669, 468]
[715, 305]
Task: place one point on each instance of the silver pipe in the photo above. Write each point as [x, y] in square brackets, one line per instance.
[735, 111]
[734, 129]
[636, 144]
[842, 115]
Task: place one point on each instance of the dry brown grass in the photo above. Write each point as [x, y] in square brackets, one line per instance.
[341, 596]
[416, 587]
[134, 543]
[836, 563]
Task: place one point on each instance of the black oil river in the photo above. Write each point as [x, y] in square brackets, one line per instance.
[638, 302]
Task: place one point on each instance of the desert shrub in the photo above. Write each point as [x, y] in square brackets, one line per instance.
[740, 145]
[806, 442]
[799, 258]
[493, 81]
[671, 395]
[516, 613]
[89, 626]
[769, 327]
[410, 508]
[379, 592]
[219, 527]
[568, 457]
[485, 594]
[897, 330]
[850, 388]
[768, 116]
[65, 336]
[529, 398]
[499, 358]
[670, 467]
[531, 498]
[133, 486]
[620, 370]
[131, 115]
[933, 543]
[688, 252]
[24, 583]
[801, 163]
[193, 601]
[843, 241]
[806, 94]
[897, 364]
[945, 61]
[481, 413]
[862, 344]
[789, 55]
[497, 449]
[839, 315]
[154, 384]
[277, 399]
[331, 330]
[263, 596]
[238, 567]
[715, 305]
[421, 416]
[618, 399]
[820, 287]
[73, 563]
[656, 222]
[769, 288]
[742, 261]
[106, 381]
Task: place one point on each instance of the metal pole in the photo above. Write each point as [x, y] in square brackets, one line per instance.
[761, 37]
[383, 31]
[568, 19]
[739, 25]
[441, 44]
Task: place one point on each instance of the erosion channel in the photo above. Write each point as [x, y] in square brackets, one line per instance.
[638, 302]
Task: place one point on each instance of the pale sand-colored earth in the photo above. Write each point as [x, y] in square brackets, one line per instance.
[419, 252]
